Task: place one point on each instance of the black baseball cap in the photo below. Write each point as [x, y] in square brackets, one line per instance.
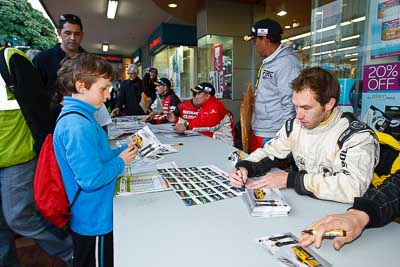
[204, 87]
[163, 81]
[265, 27]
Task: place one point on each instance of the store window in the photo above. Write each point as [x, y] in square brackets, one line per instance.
[177, 63]
[215, 63]
[359, 41]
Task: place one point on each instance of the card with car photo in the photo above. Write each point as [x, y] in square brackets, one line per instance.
[189, 201]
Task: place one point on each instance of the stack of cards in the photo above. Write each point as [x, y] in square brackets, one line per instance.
[266, 202]
[284, 247]
[199, 185]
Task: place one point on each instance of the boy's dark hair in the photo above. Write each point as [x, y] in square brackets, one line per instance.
[84, 67]
[70, 18]
[323, 83]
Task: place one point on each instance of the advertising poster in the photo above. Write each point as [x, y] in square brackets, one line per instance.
[381, 77]
[381, 97]
[218, 70]
[385, 28]
[381, 111]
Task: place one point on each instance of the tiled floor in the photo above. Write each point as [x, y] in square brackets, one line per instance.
[30, 255]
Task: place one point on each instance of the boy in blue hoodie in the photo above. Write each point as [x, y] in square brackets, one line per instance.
[87, 162]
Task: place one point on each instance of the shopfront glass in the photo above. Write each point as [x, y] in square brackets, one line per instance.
[179, 65]
[359, 40]
[215, 63]
[337, 44]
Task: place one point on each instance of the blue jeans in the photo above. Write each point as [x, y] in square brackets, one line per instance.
[18, 215]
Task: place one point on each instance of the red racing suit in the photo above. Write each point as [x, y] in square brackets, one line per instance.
[169, 104]
[214, 120]
[187, 111]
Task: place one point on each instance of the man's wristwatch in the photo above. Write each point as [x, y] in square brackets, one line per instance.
[186, 124]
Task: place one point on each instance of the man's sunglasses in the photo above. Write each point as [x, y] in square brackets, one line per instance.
[70, 17]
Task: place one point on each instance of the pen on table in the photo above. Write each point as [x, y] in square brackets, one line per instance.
[239, 173]
[329, 234]
[177, 144]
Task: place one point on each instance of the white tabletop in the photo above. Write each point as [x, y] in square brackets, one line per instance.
[157, 229]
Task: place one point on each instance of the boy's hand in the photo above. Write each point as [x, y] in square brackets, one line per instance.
[129, 154]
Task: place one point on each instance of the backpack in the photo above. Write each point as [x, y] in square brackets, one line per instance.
[48, 188]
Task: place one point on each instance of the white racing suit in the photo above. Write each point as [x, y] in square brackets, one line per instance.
[336, 159]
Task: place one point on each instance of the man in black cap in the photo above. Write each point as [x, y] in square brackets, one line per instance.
[169, 100]
[273, 104]
[213, 119]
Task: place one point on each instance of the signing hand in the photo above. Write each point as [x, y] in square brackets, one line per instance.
[171, 117]
[353, 222]
[115, 112]
[270, 180]
[235, 179]
[180, 128]
[149, 117]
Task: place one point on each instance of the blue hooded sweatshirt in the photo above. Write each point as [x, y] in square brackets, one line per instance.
[86, 160]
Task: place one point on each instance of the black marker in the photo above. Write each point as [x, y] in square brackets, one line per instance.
[239, 173]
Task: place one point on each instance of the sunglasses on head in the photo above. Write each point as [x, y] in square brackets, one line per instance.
[70, 17]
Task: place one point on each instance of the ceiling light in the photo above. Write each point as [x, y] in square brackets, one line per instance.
[358, 19]
[287, 27]
[295, 23]
[281, 13]
[172, 5]
[104, 47]
[112, 9]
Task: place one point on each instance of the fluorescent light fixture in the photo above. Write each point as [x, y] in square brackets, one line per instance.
[344, 23]
[347, 48]
[351, 55]
[287, 27]
[358, 19]
[327, 28]
[281, 13]
[112, 9]
[351, 37]
[353, 59]
[324, 29]
[172, 5]
[104, 47]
